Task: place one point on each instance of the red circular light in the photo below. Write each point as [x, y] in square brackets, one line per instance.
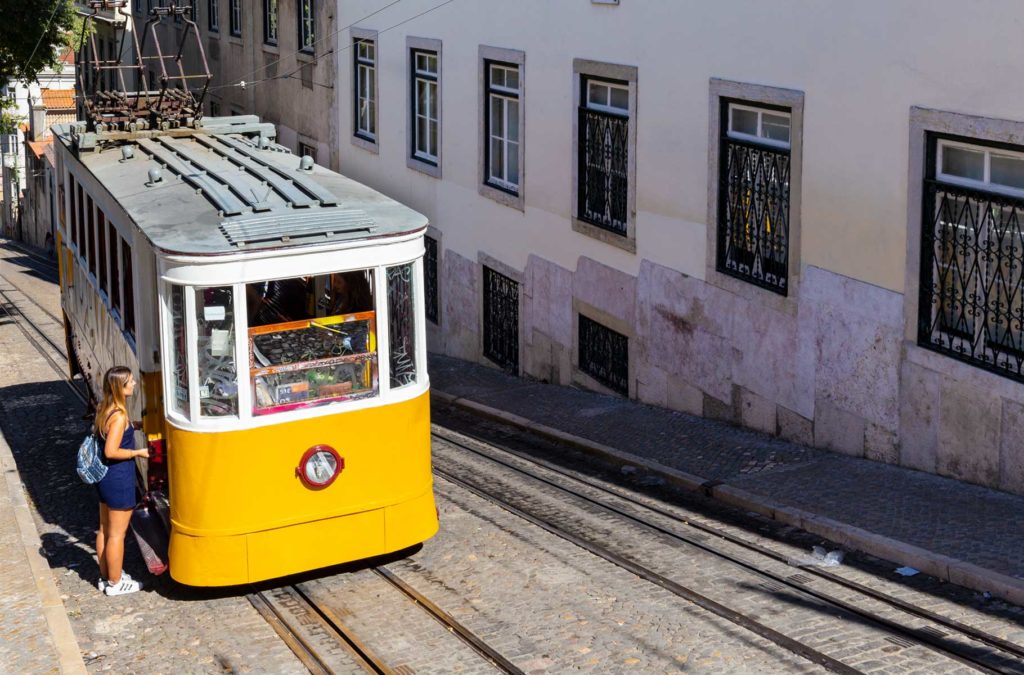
[319, 466]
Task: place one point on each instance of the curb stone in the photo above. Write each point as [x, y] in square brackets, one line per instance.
[68, 652]
[943, 567]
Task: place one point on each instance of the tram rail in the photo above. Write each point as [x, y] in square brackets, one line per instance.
[971, 646]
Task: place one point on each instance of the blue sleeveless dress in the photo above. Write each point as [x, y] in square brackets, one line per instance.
[117, 489]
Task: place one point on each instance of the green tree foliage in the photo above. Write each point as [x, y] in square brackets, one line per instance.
[33, 34]
[9, 119]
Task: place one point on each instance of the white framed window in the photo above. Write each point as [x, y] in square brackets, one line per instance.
[365, 96]
[307, 24]
[213, 15]
[770, 127]
[235, 23]
[270, 22]
[607, 96]
[985, 168]
[425, 113]
[502, 125]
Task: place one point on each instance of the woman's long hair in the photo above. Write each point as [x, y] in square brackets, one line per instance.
[114, 382]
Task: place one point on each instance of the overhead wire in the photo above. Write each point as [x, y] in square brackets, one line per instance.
[56, 6]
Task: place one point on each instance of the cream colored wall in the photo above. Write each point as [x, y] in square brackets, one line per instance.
[861, 66]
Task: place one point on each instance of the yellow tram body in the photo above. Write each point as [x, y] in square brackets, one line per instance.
[274, 311]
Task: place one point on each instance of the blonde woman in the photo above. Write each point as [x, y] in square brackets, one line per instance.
[117, 489]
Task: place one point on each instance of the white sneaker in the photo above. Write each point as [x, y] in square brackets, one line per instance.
[102, 585]
[124, 586]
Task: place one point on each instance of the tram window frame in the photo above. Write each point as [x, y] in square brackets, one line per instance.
[80, 225]
[113, 255]
[103, 280]
[72, 225]
[178, 338]
[129, 290]
[90, 217]
[331, 307]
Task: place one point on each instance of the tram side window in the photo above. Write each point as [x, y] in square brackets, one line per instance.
[101, 231]
[115, 273]
[179, 350]
[401, 325]
[218, 379]
[129, 289]
[90, 219]
[80, 240]
[312, 340]
[73, 225]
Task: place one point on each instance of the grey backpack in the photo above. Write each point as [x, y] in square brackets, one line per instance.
[90, 466]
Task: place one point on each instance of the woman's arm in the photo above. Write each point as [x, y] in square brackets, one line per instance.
[115, 430]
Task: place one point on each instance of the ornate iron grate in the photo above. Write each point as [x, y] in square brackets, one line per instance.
[603, 170]
[501, 320]
[401, 325]
[430, 280]
[971, 304]
[753, 216]
[604, 355]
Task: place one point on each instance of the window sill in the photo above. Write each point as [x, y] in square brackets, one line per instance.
[305, 57]
[236, 40]
[627, 243]
[271, 49]
[423, 166]
[365, 144]
[503, 197]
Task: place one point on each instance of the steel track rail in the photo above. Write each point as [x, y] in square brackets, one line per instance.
[934, 642]
[37, 345]
[994, 641]
[449, 622]
[716, 608]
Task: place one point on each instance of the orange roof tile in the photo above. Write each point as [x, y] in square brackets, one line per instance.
[59, 99]
[38, 148]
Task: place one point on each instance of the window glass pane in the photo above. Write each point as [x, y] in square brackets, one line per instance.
[513, 120]
[497, 76]
[421, 97]
[497, 117]
[744, 121]
[497, 158]
[312, 340]
[513, 164]
[963, 163]
[620, 98]
[101, 230]
[215, 330]
[433, 138]
[512, 78]
[371, 77]
[421, 134]
[775, 127]
[432, 63]
[597, 93]
[432, 96]
[179, 351]
[1007, 171]
[129, 288]
[402, 325]
[372, 113]
[115, 273]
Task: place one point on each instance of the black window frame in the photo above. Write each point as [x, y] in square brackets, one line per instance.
[619, 227]
[271, 8]
[213, 16]
[235, 18]
[776, 279]
[358, 61]
[414, 77]
[303, 22]
[587, 332]
[488, 91]
[970, 340]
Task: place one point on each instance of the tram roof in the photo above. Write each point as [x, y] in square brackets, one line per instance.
[224, 190]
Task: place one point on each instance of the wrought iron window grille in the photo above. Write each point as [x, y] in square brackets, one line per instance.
[753, 212]
[433, 309]
[604, 355]
[971, 301]
[603, 175]
[501, 320]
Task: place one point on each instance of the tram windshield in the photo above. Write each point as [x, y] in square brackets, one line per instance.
[311, 340]
[290, 343]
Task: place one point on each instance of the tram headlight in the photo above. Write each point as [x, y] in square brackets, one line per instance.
[319, 466]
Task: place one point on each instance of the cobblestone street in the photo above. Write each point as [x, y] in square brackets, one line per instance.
[543, 602]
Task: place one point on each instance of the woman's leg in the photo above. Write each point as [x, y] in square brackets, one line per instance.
[118, 520]
[101, 540]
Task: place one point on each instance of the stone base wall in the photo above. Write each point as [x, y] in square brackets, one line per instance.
[830, 369]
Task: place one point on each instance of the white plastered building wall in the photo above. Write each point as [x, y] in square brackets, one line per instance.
[826, 365]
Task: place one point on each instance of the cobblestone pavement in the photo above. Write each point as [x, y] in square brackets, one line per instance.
[954, 521]
[167, 628]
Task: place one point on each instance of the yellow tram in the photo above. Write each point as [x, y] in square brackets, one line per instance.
[274, 310]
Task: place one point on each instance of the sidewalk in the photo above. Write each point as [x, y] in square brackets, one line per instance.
[35, 634]
[957, 532]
